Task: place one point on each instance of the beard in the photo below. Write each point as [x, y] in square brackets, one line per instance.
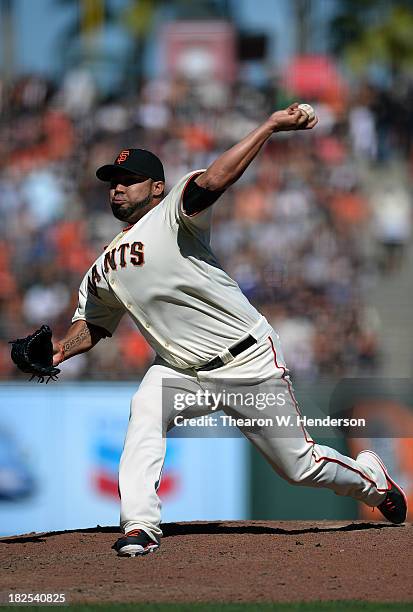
[125, 212]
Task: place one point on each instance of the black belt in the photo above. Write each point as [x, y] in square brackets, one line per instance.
[235, 349]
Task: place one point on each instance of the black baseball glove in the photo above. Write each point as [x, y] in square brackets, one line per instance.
[34, 354]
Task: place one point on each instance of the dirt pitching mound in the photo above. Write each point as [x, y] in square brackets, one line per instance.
[218, 561]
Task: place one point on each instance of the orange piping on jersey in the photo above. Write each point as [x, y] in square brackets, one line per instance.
[290, 392]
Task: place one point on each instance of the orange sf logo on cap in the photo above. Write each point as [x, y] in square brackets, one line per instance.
[123, 155]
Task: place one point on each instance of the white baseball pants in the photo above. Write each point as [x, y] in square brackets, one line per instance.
[297, 458]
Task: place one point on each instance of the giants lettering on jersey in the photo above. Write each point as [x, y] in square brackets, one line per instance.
[113, 258]
[92, 280]
[118, 256]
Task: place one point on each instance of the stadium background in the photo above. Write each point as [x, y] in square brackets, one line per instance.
[317, 233]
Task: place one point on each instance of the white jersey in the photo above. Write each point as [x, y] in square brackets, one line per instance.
[162, 272]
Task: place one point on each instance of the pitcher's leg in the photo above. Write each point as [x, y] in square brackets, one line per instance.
[295, 456]
[142, 458]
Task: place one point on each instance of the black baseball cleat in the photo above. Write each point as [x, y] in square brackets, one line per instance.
[136, 542]
[394, 506]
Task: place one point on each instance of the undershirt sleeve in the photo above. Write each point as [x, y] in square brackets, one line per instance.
[196, 199]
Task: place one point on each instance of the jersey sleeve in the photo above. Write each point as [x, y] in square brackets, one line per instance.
[97, 304]
[174, 205]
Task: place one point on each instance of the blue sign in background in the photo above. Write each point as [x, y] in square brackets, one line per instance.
[59, 452]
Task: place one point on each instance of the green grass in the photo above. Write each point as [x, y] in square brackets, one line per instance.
[316, 606]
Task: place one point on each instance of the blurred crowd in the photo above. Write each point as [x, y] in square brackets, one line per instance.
[296, 231]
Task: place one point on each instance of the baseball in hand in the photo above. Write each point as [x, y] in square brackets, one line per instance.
[308, 110]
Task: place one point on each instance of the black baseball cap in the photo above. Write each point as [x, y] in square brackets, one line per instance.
[133, 161]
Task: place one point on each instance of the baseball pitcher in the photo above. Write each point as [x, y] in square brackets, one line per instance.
[161, 271]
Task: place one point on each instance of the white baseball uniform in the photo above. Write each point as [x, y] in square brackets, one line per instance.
[162, 272]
